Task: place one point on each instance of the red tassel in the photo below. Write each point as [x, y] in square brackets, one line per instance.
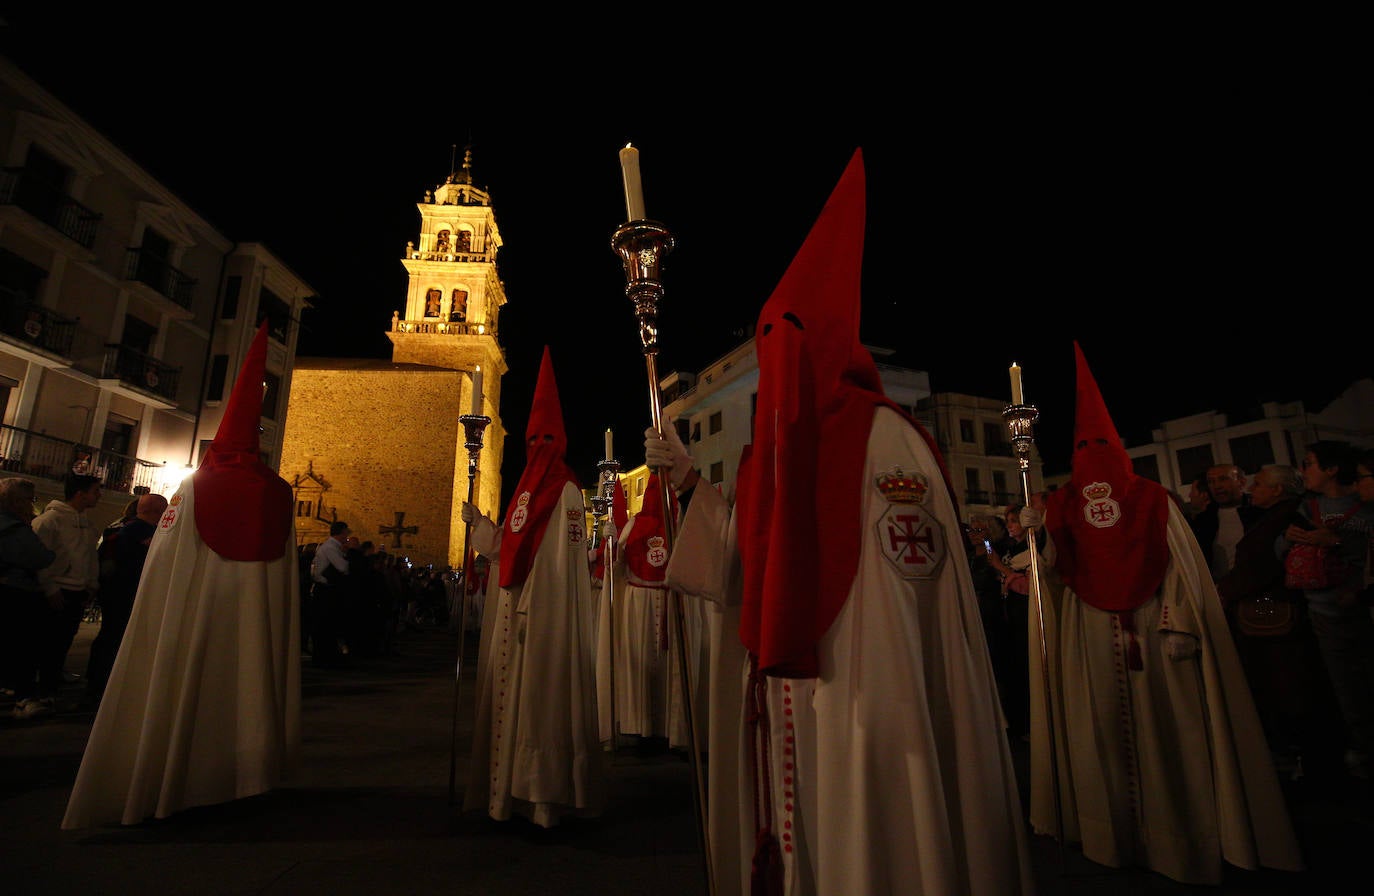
[1134, 661]
[766, 871]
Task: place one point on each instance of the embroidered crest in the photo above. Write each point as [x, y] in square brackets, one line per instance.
[1100, 508]
[176, 499]
[900, 487]
[911, 540]
[656, 551]
[521, 514]
[576, 531]
[169, 516]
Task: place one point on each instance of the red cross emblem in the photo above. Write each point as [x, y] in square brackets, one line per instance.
[912, 541]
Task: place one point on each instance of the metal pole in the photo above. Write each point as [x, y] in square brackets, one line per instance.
[473, 426]
[641, 246]
[1021, 420]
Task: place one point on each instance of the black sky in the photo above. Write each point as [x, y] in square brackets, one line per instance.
[1189, 224]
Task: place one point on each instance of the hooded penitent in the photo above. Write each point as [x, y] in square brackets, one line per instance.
[541, 485]
[243, 508]
[1107, 523]
[800, 487]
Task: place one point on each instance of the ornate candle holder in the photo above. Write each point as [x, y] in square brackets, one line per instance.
[641, 246]
[605, 494]
[1021, 420]
[474, 426]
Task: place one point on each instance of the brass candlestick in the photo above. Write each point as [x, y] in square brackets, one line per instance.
[474, 427]
[642, 246]
[1021, 419]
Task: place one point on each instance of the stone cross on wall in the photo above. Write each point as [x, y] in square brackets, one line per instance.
[398, 530]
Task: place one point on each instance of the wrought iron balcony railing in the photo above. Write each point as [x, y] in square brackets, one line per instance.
[35, 454]
[154, 271]
[49, 205]
[134, 368]
[29, 322]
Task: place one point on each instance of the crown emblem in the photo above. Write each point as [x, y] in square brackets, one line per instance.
[900, 487]
[1097, 491]
[575, 514]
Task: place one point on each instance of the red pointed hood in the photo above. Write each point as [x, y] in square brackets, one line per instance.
[243, 508]
[818, 388]
[541, 485]
[1108, 524]
[646, 544]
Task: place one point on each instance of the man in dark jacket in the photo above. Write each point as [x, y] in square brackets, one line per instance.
[23, 609]
[1220, 525]
[117, 589]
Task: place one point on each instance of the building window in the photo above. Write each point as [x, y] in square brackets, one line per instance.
[971, 479]
[305, 509]
[278, 315]
[1193, 462]
[696, 433]
[1252, 452]
[966, 432]
[999, 485]
[714, 423]
[433, 299]
[717, 473]
[230, 309]
[219, 370]
[271, 390]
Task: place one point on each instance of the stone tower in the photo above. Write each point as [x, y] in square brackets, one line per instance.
[379, 443]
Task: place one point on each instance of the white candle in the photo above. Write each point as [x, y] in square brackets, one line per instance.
[1015, 371]
[634, 193]
[477, 392]
[610, 455]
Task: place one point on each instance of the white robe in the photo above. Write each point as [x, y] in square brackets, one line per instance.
[536, 750]
[648, 690]
[891, 772]
[1164, 767]
[203, 705]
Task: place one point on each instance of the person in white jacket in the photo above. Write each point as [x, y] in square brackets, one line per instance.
[70, 581]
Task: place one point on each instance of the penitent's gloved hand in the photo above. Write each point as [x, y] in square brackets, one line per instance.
[1031, 517]
[471, 515]
[666, 452]
[1179, 646]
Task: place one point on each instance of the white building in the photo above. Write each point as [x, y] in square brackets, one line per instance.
[1181, 450]
[124, 315]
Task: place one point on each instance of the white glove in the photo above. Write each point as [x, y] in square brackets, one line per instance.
[1031, 517]
[666, 452]
[471, 515]
[608, 529]
[1180, 646]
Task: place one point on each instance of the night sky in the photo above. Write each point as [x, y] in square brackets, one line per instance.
[1183, 221]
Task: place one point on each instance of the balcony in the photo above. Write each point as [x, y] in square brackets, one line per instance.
[33, 325]
[434, 325]
[140, 372]
[29, 453]
[141, 266]
[49, 205]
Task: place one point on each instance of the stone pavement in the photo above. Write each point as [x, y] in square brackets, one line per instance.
[371, 813]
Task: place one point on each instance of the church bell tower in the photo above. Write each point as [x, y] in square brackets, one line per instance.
[452, 310]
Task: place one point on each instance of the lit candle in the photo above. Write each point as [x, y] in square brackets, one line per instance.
[634, 193]
[1015, 371]
[477, 391]
[610, 455]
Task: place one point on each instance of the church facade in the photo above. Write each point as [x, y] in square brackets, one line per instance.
[398, 471]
